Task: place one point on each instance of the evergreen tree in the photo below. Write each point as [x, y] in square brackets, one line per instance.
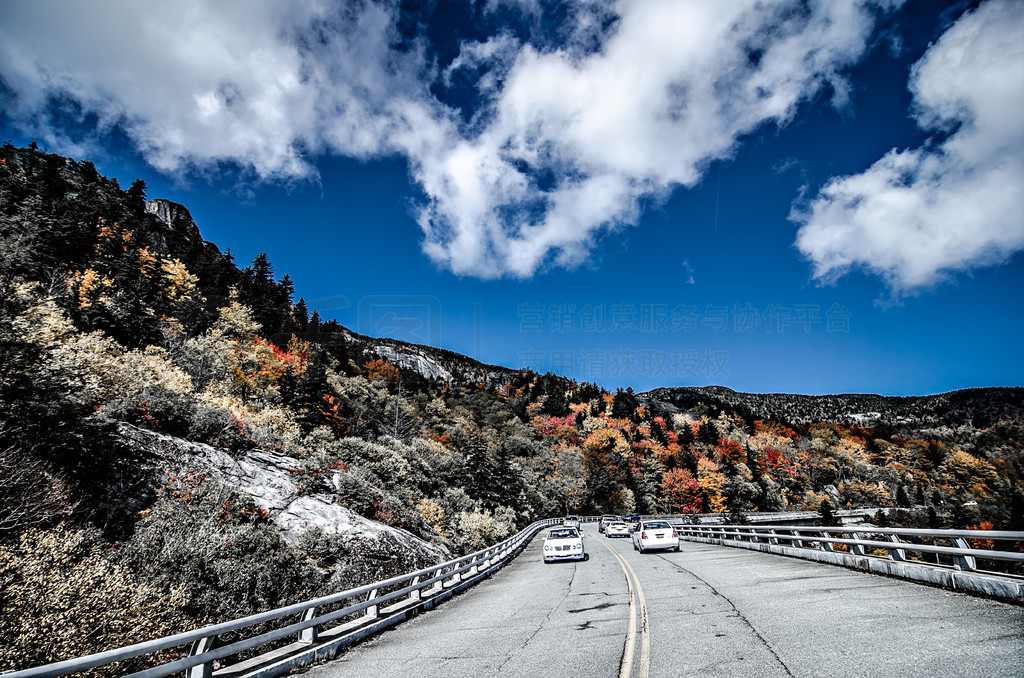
[300, 315]
[52, 182]
[89, 173]
[308, 394]
[755, 468]
[481, 474]
[555, 404]
[508, 479]
[737, 516]
[658, 433]
[708, 433]
[137, 196]
[269, 299]
[1016, 520]
[881, 518]
[902, 497]
[936, 453]
[624, 404]
[961, 516]
[587, 392]
[828, 517]
[688, 460]
[686, 437]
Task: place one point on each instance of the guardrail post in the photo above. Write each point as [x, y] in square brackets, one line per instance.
[309, 635]
[897, 554]
[373, 610]
[855, 549]
[796, 543]
[200, 670]
[415, 594]
[826, 545]
[773, 540]
[968, 563]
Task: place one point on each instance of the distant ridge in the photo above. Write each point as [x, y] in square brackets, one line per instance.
[974, 408]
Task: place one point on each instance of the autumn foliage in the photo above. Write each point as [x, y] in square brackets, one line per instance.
[113, 320]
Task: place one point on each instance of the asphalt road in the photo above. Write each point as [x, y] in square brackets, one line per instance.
[706, 610]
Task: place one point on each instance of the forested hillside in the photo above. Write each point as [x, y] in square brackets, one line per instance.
[182, 442]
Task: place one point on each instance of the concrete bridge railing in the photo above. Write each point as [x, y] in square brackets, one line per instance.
[847, 516]
[941, 557]
[319, 627]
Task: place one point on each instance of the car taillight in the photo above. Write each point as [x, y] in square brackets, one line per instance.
[675, 535]
[643, 535]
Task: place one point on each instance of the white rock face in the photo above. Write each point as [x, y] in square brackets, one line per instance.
[169, 212]
[425, 367]
[265, 476]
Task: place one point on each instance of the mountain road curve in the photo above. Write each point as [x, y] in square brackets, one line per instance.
[706, 610]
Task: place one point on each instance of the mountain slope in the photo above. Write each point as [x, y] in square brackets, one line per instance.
[176, 427]
[959, 416]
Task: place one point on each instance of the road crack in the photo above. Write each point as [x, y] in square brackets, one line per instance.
[599, 606]
[735, 609]
[547, 618]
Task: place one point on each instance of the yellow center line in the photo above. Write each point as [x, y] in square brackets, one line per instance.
[636, 594]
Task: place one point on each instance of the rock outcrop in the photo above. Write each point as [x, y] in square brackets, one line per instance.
[267, 478]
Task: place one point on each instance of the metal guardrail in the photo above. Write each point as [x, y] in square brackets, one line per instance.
[315, 638]
[825, 538]
[754, 517]
[951, 564]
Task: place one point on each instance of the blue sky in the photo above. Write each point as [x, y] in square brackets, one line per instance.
[814, 197]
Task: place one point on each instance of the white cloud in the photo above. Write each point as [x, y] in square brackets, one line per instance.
[576, 141]
[918, 215]
[566, 142]
[192, 83]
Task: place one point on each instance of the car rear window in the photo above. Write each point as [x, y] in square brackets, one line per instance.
[657, 525]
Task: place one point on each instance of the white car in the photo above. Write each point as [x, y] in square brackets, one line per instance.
[654, 534]
[564, 543]
[616, 529]
[603, 523]
[571, 521]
